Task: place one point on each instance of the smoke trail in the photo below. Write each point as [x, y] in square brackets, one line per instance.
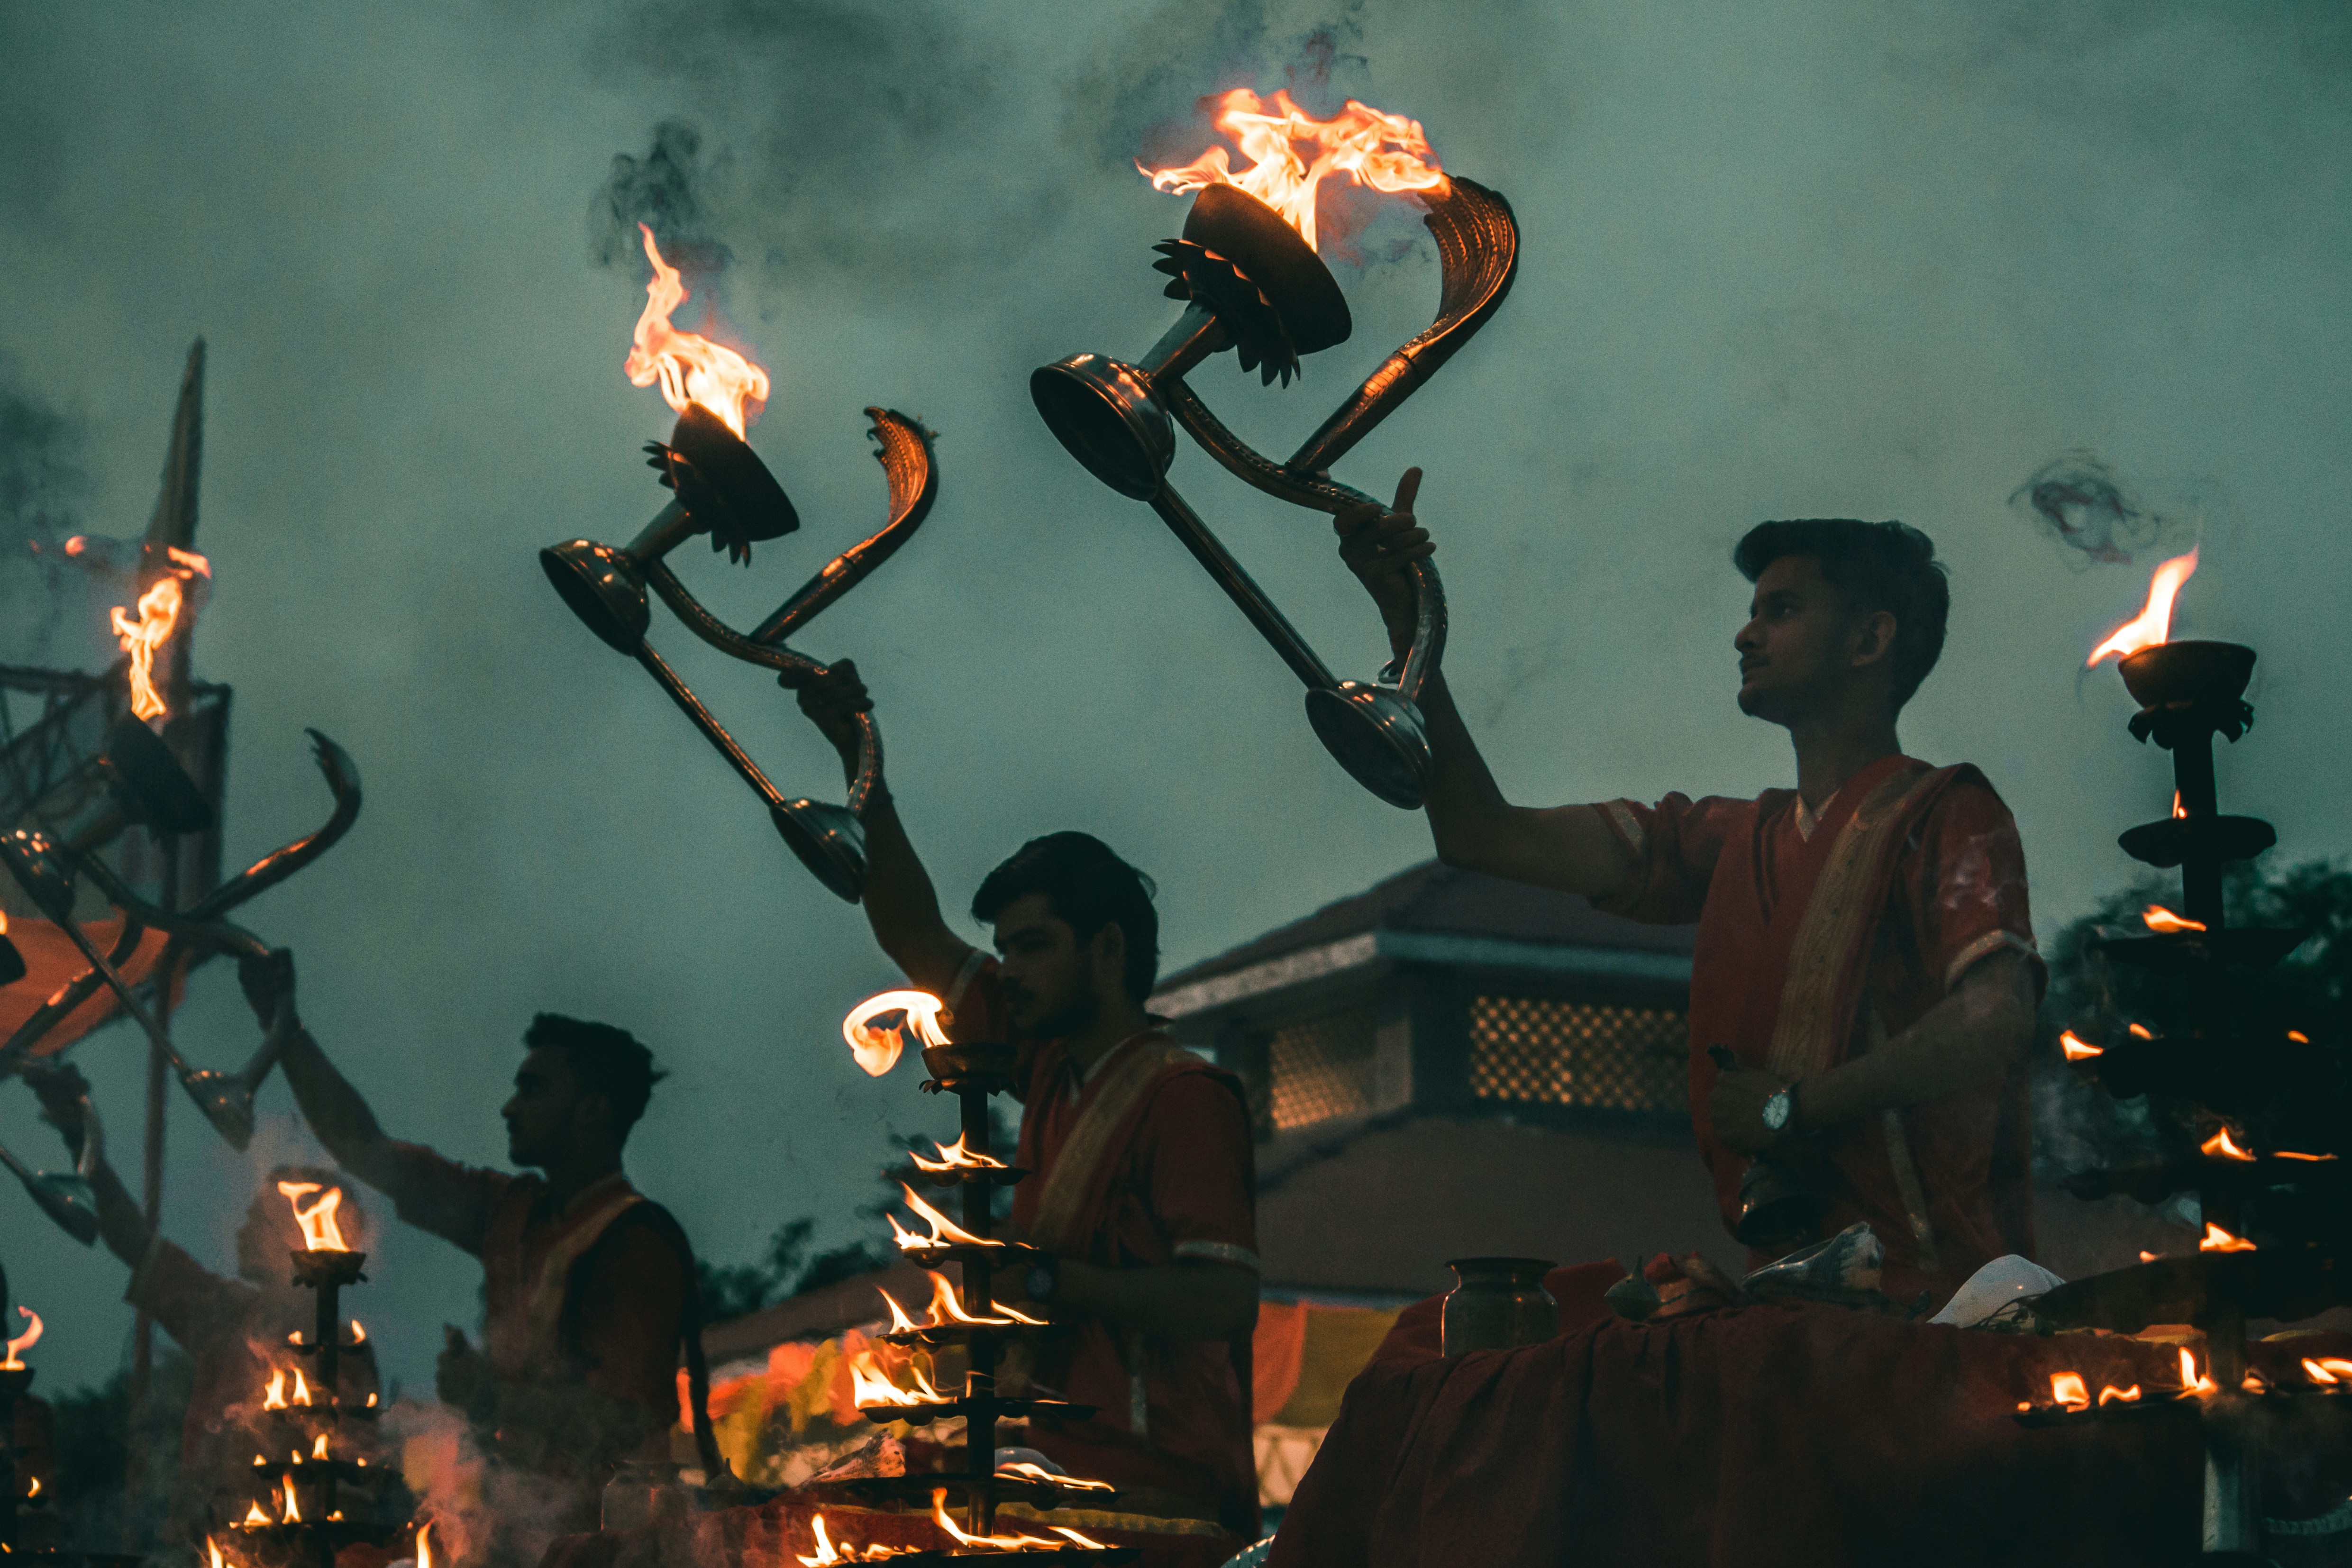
[668, 191]
[42, 483]
[2077, 499]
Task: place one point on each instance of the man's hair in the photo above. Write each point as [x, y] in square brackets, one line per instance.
[1089, 888]
[1875, 566]
[606, 1061]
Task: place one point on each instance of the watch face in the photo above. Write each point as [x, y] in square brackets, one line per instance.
[1776, 1112]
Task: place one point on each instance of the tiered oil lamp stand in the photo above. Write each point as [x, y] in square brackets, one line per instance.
[972, 1073]
[303, 1485]
[2257, 1122]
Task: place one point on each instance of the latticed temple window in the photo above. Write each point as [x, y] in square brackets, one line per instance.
[1322, 1067]
[1578, 1053]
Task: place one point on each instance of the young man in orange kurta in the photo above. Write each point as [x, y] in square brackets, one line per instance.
[1144, 1190]
[1866, 958]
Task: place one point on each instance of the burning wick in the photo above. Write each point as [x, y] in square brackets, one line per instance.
[2220, 1147]
[318, 1449]
[945, 1232]
[36, 1490]
[2190, 1381]
[212, 1549]
[1005, 1542]
[1024, 1470]
[2067, 1388]
[2111, 1393]
[2178, 809]
[2159, 918]
[158, 618]
[1386, 152]
[2216, 1240]
[274, 1397]
[2326, 1369]
[23, 1342]
[2152, 625]
[875, 1045]
[2298, 1036]
[871, 1388]
[953, 1157]
[2077, 1049]
[320, 1231]
[2291, 1155]
[690, 367]
[2139, 1031]
[254, 1516]
[425, 1544]
[301, 1389]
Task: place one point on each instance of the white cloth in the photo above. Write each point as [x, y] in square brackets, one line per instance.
[2005, 1279]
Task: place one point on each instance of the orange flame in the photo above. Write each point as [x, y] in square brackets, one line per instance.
[320, 1231]
[2291, 1155]
[2159, 918]
[425, 1544]
[2077, 1049]
[1386, 152]
[1022, 1470]
[2178, 809]
[158, 618]
[1003, 1542]
[2146, 1255]
[945, 1232]
[253, 1516]
[2220, 1147]
[877, 1047]
[2150, 626]
[2111, 1393]
[301, 1389]
[293, 1514]
[2192, 1381]
[2216, 1240]
[23, 1342]
[2067, 1388]
[318, 1449]
[899, 1321]
[954, 1157]
[2139, 1031]
[274, 1397]
[36, 1490]
[690, 367]
[2298, 1036]
[825, 1553]
[871, 1388]
[212, 1550]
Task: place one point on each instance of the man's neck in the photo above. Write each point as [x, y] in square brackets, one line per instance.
[1112, 1025]
[1832, 751]
[569, 1179]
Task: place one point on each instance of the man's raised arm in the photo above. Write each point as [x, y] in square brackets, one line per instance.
[338, 1116]
[900, 903]
[1565, 847]
[63, 1091]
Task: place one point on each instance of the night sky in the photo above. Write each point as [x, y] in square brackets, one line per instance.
[1781, 259]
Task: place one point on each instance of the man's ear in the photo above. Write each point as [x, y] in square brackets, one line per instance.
[1874, 638]
[1109, 952]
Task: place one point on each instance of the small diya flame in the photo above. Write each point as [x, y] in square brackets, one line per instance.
[2110, 1393]
[293, 1510]
[2077, 1049]
[878, 1028]
[2293, 1154]
[2220, 1147]
[2191, 1380]
[2298, 1036]
[358, 1333]
[827, 1553]
[2159, 918]
[2151, 626]
[157, 618]
[318, 1449]
[23, 1342]
[34, 1489]
[945, 1232]
[2179, 810]
[954, 1157]
[254, 1516]
[213, 1552]
[1384, 151]
[871, 1388]
[2067, 1389]
[1022, 1470]
[690, 367]
[273, 1397]
[2139, 1031]
[2326, 1369]
[320, 1231]
[425, 1544]
[2216, 1240]
[1006, 1542]
[301, 1389]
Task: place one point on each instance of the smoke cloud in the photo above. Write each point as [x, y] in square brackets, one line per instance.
[666, 192]
[42, 483]
[2077, 499]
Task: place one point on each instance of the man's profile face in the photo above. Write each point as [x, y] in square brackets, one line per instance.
[540, 1114]
[1794, 650]
[1046, 973]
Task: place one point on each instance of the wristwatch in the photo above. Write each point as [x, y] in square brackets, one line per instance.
[1041, 1277]
[1780, 1113]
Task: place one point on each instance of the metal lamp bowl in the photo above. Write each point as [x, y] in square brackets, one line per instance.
[1376, 735]
[829, 840]
[733, 474]
[148, 781]
[1106, 413]
[2191, 671]
[603, 587]
[1271, 254]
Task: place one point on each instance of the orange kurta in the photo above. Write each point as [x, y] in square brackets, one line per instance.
[1814, 946]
